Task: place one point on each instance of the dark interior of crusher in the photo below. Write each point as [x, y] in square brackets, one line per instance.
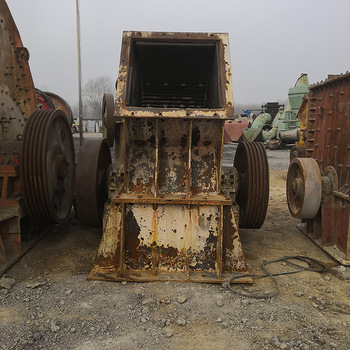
[174, 75]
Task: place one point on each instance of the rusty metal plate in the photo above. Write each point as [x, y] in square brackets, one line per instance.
[147, 242]
[17, 94]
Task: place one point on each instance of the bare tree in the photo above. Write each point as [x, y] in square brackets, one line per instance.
[93, 93]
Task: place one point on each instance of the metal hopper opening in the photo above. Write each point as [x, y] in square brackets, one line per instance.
[174, 75]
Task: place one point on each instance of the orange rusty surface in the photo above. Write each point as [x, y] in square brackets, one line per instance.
[328, 142]
[233, 130]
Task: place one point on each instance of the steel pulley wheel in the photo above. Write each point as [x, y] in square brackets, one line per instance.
[253, 191]
[304, 188]
[47, 166]
[92, 180]
[108, 123]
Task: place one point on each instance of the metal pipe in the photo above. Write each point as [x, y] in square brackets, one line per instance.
[79, 76]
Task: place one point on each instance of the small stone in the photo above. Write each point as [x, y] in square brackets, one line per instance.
[219, 320]
[168, 333]
[224, 325]
[162, 323]
[72, 330]
[147, 301]
[244, 320]
[165, 301]
[143, 320]
[7, 283]
[35, 285]
[274, 341]
[181, 299]
[341, 268]
[181, 321]
[69, 291]
[4, 291]
[124, 283]
[333, 345]
[54, 327]
[219, 303]
[314, 305]
[145, 310]
[299, 294]
[284, 346]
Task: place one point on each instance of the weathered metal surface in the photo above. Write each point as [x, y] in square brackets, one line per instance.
[47, 166]
[255, 132]
[49, 100]
[304, 188]
[251, 135]
[253, 193]
[61, 104]
[91, 175]
[167, 217]
[302, 116]
[233, 130]
[328, 142]
[17, 95]
[43, 100]
[108, 122]
[17, 101]
[155, 241]
[198, 91]
[288, 120]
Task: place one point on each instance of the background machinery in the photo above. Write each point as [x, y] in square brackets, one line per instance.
[318, 183]
[171, 213]
[277, 125]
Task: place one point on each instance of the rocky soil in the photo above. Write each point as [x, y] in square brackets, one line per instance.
[47, 303]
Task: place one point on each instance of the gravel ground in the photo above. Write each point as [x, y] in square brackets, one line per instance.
[47, 303]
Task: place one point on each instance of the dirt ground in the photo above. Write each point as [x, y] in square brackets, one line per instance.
[51, 305]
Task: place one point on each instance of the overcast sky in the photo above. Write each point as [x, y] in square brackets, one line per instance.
[271, 41]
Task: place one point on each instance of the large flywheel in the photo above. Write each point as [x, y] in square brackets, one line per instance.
[253, 191]
[92, 180]
[47, 166]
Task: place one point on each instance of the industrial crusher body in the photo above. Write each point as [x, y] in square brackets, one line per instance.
[36, 151]
[318, 185]
[167, 217]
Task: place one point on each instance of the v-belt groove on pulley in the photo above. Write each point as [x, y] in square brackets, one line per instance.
[253, 193]
[47, 166]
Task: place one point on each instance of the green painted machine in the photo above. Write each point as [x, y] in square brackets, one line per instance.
[280, 125]
[287, 122]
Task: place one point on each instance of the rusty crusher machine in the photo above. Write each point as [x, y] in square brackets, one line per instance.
[318, 180]
[36, 151]
[170, 213]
